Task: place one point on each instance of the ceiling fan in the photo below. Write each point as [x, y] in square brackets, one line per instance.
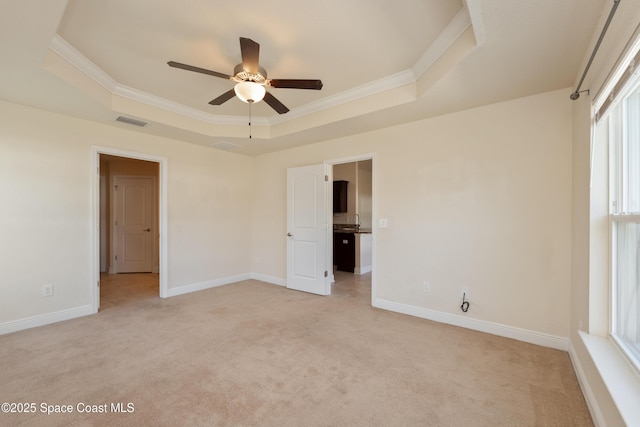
[251, 79]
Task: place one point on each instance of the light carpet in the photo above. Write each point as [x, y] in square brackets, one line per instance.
[256, 354]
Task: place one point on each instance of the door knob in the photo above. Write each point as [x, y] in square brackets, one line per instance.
[289, 235]
[147, 229]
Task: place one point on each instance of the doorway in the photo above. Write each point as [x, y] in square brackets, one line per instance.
[128, 220]
[130, 236]
[352, 222]
[310, 223]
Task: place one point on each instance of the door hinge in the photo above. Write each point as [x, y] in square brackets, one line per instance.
[98, 283]
[326, 273]
[116, 257]
[326, 178]
[116, 222]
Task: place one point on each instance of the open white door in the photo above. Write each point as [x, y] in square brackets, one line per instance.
[307, 266]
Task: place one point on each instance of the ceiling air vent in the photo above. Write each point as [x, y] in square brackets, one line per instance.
[130, 121]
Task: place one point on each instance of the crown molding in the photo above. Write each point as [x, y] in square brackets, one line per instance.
[479, 28]
[445, 40]
[371, 88]
[70, 54]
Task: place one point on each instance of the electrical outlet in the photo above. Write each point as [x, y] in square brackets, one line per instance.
[426, 286]
[464, 293]
[47, 290]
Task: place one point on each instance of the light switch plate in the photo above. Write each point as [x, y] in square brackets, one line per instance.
[47, 290]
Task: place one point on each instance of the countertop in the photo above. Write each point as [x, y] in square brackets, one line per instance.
[350, 229]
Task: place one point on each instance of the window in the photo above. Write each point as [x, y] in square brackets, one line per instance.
[624, 136]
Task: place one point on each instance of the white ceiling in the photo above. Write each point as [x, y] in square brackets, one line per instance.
[382, 63]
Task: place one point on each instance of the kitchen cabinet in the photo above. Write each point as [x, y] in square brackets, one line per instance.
[340, 196]
[344, 251]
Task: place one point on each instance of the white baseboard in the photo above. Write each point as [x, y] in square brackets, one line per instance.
[48, 318]
[185, 289]
[45, 319]
[592, 402]
[538, 338]
[269, 279]
[362, 270]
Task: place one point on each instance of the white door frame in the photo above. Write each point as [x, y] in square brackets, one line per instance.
[96, 151]
[374, 220]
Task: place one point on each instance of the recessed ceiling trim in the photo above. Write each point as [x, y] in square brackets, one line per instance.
[447, 38]
[477, 20]
[87, 67]
[371, 88]
[183, 110]
[225, 145]
[456, 27]
[70, 54]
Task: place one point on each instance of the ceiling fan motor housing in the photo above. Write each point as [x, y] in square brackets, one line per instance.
[242, 75]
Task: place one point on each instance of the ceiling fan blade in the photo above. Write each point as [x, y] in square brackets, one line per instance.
[198, 69]
[223, 98]
[275, 104]
[296, 84]
[250, 55]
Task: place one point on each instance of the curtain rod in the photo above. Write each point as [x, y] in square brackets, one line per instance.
[576, 94]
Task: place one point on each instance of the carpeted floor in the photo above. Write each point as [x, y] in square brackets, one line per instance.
[255, 354]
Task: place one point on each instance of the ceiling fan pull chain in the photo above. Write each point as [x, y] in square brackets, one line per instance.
[249, 120]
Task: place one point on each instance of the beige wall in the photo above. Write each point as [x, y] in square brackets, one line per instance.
[45, 183]
[480, 199]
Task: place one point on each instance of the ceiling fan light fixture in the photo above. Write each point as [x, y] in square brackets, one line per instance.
[249, 92]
